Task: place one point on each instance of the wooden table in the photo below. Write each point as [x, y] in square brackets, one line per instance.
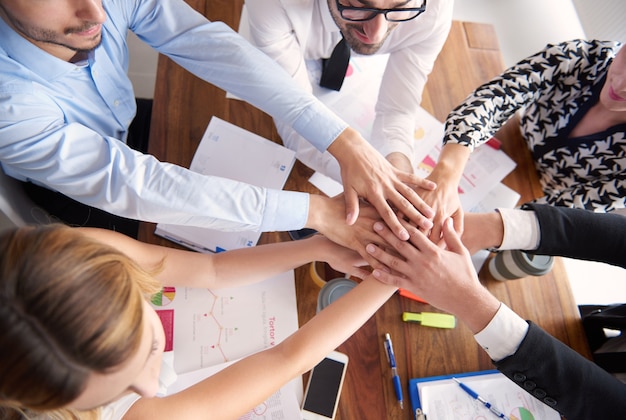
[183, 106]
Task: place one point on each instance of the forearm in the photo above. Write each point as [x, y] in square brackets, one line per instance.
[491, 105]
[231, 63]
[220, 396]
[393, 135]
[581, 234]
[175, 267]
[557, 375]
[328, 329]
[450, 165]
[249, 265]
[270, 29]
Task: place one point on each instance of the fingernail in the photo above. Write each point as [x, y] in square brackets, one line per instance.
[370, 248]
[404, 235]
[378, 226]
[376, 273]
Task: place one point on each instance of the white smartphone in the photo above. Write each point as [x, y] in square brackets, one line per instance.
[324, 387]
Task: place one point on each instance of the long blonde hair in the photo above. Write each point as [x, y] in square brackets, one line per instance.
[69, 306]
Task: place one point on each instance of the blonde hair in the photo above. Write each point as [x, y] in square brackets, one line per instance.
[69, 306]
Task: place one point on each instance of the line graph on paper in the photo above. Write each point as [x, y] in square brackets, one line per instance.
[211, 327]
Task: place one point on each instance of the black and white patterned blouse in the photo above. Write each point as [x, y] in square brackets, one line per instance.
[553, 89]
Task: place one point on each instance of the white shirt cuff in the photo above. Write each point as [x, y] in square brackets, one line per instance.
[503, 335]
[521, 229]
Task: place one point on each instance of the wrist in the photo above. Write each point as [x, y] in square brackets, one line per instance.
[346, 143]
[494, 230]
[477, 309]
[400, 161]
[317, 248]
[318, 208]
[452, 161]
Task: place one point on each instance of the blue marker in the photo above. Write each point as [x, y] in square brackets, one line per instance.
[480, 399]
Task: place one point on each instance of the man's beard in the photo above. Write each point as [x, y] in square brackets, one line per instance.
[39, 35]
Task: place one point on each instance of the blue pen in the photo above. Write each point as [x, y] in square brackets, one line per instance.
[394, 372]
[480, 399]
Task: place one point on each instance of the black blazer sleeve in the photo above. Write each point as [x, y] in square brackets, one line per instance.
[581, 234]
[563, 379]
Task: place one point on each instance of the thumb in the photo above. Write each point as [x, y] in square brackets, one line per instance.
[352, 206]
[452, 238]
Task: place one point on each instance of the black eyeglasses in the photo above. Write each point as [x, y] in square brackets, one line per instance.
[361, 14]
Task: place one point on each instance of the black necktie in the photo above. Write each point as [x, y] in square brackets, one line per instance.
[334, 68]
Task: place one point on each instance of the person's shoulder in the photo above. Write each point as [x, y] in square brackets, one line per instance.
[578, 46]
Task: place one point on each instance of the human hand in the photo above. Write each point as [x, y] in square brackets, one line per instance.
[367, 174]
[445, 200]
[444, 277]
[326, 215]
[400, 161]
[340, 258]
[445, 203]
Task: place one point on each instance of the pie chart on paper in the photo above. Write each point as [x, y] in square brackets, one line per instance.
[164, 297]
[521, 413]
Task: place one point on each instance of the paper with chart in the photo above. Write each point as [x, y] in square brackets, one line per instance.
[209, 327]
[229, 151]
[444, 399]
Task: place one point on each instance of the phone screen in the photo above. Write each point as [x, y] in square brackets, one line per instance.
[323, 387]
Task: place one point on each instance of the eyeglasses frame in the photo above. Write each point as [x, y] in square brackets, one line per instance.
[377, 12]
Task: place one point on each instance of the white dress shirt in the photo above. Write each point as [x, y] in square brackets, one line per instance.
[521, 229]
[503, 335]
[295, 31]
[506, 330]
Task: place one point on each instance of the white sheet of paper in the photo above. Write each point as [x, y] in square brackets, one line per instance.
[210, 327]
[444, 400]
[229, 151]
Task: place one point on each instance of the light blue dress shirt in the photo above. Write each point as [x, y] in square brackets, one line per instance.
[64, 125]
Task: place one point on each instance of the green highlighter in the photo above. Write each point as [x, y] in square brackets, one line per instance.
[430, 319]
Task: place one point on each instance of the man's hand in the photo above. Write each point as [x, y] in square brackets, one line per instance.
[400, 162]
[445, 278]
[367, 174]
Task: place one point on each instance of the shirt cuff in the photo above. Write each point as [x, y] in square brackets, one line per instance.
[521, 229]
[284, 211]
[319, 125]
[503, 335]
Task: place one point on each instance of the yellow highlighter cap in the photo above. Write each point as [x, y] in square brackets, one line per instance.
[430, 319]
